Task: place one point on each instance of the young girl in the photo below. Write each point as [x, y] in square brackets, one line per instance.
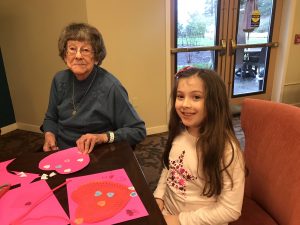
[203, 177]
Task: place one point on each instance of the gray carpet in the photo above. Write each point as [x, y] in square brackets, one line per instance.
[148, 152]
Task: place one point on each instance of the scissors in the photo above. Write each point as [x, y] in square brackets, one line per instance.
[3, 189]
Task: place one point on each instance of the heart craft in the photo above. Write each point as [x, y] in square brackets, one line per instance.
[99, 200]
[65, 161]
[14, 177]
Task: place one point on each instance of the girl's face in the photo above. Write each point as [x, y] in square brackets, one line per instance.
[189, 103]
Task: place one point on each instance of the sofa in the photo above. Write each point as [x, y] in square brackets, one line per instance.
[272, 156]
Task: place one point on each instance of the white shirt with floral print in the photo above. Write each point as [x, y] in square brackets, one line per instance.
[181, 186]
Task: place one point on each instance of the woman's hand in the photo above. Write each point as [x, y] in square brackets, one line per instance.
[172, 219]
[50, 142]
[86, 142]
[160, 203]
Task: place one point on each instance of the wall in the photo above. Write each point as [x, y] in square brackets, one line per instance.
[29, 33]
[134, 32]
[286, 87]
[291, 89]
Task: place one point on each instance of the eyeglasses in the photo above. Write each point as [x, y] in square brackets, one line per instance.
[83, 51]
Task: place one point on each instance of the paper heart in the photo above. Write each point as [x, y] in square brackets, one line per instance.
[65, 161]
[134, 204]
[52, 174]
[110, 194]
[67, 170]
[22, 174]
[131, 188]
[93, 206]
[44, 177]
[133, 194]
[28, 203]
[14, 177]
[130, 212]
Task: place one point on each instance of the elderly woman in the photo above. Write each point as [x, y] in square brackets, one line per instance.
[87, 104]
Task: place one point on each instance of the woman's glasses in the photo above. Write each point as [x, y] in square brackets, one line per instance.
[83, 51]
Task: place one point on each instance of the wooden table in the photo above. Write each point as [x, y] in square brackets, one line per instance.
[103, 158]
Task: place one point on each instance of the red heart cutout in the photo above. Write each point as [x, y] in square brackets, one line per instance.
[99, 200]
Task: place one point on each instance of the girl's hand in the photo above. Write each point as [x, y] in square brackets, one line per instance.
[86, 142]
[50, 142]
[160, 203]
[172, 219]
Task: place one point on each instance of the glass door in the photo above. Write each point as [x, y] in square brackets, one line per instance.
[234, 37]
[196, 30]
[253, 42]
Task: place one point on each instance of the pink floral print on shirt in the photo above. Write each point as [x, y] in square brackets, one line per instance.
[178, 175]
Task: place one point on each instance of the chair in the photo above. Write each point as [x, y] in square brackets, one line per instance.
[272, 155]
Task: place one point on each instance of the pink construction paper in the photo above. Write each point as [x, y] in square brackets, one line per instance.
[65, 161]
[13, 179]
[134, 208]
[16, 202]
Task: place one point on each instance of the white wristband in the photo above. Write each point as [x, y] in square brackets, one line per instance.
[111, 137]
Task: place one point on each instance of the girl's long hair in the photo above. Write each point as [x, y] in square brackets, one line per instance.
[216, 130]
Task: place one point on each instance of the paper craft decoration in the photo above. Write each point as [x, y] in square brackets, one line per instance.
[103, 199]
[65, 161]
[16, 203]
[16, 178]
[107, 198]
[3, 189]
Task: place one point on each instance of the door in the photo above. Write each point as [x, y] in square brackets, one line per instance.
[218, 34]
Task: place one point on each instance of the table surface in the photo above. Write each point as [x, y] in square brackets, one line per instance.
[103, 158]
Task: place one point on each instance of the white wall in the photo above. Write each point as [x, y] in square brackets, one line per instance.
[291, 89]
[287, 77]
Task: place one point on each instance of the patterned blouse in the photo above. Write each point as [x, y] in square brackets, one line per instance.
[182, 184]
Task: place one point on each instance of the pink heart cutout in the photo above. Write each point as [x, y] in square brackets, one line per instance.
[65, 161]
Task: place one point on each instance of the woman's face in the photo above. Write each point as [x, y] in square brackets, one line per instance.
[80, 58]
[190, 103]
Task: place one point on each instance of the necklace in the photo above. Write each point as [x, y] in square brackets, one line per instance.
[75, 108]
